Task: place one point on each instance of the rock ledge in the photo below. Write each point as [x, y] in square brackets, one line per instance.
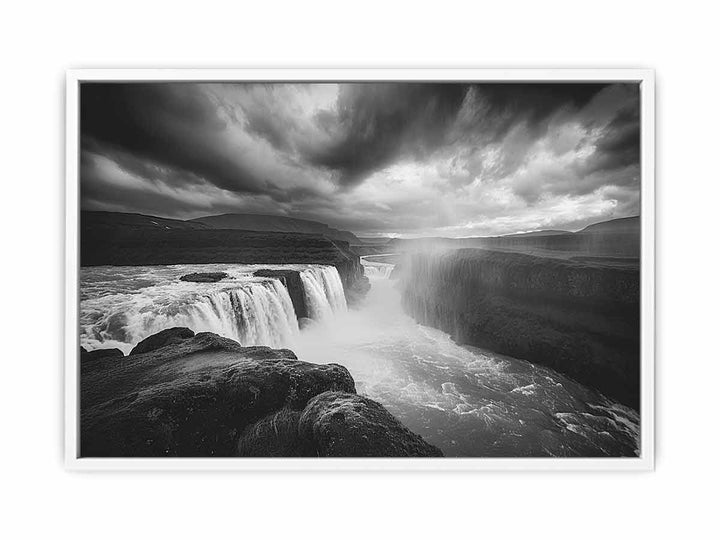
[201, 395]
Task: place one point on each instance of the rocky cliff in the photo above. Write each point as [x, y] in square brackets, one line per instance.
[182, 394]
[130, 240]
[579, 318]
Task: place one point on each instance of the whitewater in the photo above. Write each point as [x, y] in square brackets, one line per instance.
[120, 306]
[467, 401]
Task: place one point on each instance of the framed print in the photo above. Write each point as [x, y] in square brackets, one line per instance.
[360, 269]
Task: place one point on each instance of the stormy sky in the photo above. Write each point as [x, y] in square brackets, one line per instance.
[401, 159]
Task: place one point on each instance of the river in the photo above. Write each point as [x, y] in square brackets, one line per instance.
[466, 401]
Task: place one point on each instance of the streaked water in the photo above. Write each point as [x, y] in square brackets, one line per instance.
[323, 291]
[378, 270]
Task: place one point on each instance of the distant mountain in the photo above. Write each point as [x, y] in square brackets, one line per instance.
[259, 222]
[115, 238]
[614, 238]
[135, 221]
[627, 225]
[547, 232]
[247, 222]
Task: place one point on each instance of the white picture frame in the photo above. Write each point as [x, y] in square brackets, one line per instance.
[644, 462]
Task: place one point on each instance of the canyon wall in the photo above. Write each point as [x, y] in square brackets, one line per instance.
[579, 318]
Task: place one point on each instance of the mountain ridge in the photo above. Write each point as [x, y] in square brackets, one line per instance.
[266, 222]
[246, 222]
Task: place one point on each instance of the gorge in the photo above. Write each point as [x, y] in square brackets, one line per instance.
[391, 386]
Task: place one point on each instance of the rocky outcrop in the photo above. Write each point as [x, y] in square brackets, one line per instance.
[341, 424]
[204, 277]
[579, 318]
[169, 336]
[204, 395]
[333, 424]
[293, 283]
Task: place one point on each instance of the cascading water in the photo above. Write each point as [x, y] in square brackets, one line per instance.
[324, 292]
[254, 313]
[123, 305]
[378, 270]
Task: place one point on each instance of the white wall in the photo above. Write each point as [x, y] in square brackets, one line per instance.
[39, 42]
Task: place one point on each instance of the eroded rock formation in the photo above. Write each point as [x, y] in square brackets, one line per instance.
[169, 336]
[200, 394]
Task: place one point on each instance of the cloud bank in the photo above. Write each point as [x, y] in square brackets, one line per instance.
[407, 159]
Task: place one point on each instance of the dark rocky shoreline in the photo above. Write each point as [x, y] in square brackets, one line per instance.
[182, 394]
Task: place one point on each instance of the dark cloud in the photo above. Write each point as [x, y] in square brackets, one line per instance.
[172, 125]
[536, 101]
[381, 122]
[619, 145]
[275, 129]
[376, 122]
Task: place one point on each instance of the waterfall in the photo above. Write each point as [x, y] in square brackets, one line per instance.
[378, 270]
[324, 291]
[252, 313]
[122, 310]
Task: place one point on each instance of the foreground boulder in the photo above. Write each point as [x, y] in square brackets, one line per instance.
[204, 277]
[333, 424]
[161, 339]
[342, 424]
[202, 395]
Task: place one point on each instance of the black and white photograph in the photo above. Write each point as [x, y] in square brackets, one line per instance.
[359, 269]
[379, 270]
